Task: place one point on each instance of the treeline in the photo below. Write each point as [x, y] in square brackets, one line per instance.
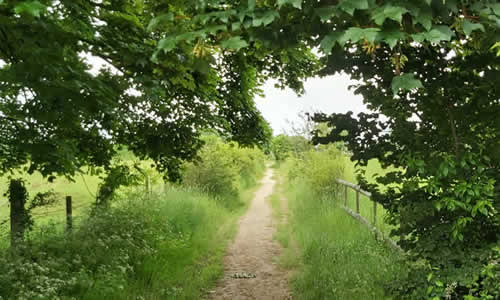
[166, 244]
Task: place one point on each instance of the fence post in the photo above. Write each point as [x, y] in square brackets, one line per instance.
[345, 198]
[69, 213]
[18, 213]
[374, 213]
[357, 202]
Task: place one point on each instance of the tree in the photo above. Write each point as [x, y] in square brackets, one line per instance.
[56, 116]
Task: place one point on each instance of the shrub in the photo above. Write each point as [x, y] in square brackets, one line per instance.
[319, 168]
[223, 169]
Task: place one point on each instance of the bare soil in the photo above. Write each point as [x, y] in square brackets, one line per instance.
[251, 269]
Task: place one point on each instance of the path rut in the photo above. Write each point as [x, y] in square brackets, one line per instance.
[254, 252]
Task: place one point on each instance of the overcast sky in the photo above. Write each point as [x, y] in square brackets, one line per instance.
[328, 95]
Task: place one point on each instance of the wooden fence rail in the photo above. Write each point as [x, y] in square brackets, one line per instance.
[357, 214]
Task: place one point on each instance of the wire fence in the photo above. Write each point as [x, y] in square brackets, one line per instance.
[61, 212]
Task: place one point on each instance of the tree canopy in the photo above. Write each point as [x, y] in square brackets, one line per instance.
[57, 115]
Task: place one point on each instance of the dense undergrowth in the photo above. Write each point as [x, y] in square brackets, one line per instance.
[338, 257]
[164, 245]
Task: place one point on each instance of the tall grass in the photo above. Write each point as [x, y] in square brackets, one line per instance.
[339, 257]
[170, 247]
[336, 257]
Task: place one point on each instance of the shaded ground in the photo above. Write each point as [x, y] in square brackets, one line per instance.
[251, 269]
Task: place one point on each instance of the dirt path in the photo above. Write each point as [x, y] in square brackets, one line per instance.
[254, 253]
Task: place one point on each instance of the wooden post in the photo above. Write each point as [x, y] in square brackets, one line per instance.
[345, 198]
[374, 213]
[69, 213]
[18, 213]
[357, 202]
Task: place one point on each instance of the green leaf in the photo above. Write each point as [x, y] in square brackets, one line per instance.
[235, 26]
[33, 8]
[440, 33]
[436, 35]
[469, 27]
[167, 44]
[329, 41]
[388, 12]
[405, 82]
[267, 18]
[425, 18]
[294, 3]
[234, 43]
[392, 37]
[496, 9]
[157, 21]
[349, 6]
[326, 13]
[355, 34]
[251, 4]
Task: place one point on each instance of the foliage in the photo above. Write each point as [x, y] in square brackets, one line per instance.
[443, 141]
[128, 250]
[58, 113]
[118, 175]
[223, 168]
[283, 146]
[318, 168]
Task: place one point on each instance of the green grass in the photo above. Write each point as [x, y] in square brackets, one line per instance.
[82, 191]
[168, 247]
[336, 257]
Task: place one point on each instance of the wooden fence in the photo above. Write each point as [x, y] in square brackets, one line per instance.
[357, 213]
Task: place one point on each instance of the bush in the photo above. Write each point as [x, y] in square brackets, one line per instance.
[223, 169]
[319, 168]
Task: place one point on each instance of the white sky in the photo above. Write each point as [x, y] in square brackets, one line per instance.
[328, 95]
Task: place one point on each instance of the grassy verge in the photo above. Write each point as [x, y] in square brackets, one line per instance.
[336, 256]
[168, 247]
